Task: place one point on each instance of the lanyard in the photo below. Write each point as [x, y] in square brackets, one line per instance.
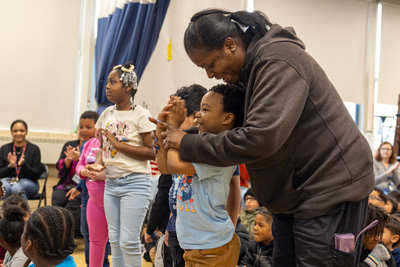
[17, 167]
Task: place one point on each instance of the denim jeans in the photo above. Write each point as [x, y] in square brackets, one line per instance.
[126, 201]
[28, 186]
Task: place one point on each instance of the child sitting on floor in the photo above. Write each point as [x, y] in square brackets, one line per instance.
[48, 238]
[259, 252]
[391, 237]
[11, 228]
[251, 209]
[373, 252]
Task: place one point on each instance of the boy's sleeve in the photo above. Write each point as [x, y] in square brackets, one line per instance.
[206, 171]
[237, 171]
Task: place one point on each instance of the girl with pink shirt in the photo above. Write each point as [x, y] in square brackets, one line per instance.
[96, 218]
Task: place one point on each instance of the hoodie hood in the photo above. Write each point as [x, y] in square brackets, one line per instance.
[276, 34]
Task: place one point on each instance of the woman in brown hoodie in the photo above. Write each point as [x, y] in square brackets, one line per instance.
[308, 162]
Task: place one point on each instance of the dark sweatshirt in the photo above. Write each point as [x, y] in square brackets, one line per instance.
[32, 167]
[302, 149]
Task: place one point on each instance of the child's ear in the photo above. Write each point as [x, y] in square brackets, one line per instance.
[395, 239]
[129, 88]
[229, 118]
[2, 241]
[28, 247]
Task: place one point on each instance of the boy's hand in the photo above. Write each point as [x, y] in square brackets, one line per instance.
[166, 236]
[177, 113]
[147, 238]
[72, 193]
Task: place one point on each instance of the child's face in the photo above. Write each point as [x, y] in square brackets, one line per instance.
[375, 199]
[369, 242]
[262, 230]
[210, 118]
[115, 91]
[388, 207]
[251, 202]
[87, 129]
[387, 238]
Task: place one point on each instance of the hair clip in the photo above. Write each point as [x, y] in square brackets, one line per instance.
[244, 28]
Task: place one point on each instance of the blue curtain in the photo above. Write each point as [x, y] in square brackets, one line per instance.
[129, 34]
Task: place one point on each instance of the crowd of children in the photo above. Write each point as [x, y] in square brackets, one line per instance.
[198, 211]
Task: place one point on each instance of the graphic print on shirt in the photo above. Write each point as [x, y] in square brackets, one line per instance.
[185, 194]
[120, 130]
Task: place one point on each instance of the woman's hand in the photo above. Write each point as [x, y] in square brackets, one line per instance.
[72, 193]
[21, 160]
[72, 153]
[393, 168]
[177, 113]
[75, 154]
[68, 152]
[12, 159]
[172, 137]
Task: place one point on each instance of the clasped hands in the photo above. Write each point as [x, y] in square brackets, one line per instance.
[168, 122]
[72, 153]
[12, 159]
[94, 172]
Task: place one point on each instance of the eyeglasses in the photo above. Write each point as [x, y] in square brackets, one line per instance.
[249, 198]
[386, 149]
[375, 198]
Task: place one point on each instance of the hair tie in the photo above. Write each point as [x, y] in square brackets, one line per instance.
[243, 27]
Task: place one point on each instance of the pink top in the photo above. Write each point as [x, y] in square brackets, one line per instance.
[87, 148]
[95, 188]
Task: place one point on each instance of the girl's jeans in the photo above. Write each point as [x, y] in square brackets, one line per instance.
[126, 201]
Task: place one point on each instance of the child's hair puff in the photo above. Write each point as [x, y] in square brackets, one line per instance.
[18, 200]
[12, 225]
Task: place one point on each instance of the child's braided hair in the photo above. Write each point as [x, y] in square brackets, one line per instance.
[51, 229]
[376, 213]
